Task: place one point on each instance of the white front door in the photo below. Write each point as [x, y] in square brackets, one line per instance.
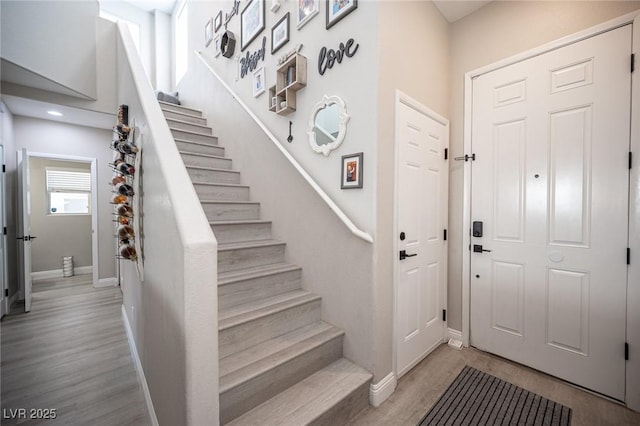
[421, 217]
[24, 228]
[550, 185]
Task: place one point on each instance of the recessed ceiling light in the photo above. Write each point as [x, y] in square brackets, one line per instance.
[55, 113]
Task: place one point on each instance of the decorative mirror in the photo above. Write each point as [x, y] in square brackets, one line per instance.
[327, 124]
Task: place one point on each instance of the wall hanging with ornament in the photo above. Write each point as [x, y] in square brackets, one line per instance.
[127, 194]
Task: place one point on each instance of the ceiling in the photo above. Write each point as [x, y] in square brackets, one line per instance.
[165, 6]
[453, 10]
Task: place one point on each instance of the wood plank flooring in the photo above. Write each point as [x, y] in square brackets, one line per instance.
[70, 353]
[419, 389]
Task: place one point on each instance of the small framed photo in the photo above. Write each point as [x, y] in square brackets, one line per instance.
[307, 9]
[218, 22]
[280, 33]
[216, 42]
[352, 171]
[251, 22]
[208, 33]
[259, 85]
[338, 9]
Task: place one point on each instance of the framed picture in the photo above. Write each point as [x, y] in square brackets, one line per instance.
[258, 82]
[218, 22]
[280, 33]
[351, 171]
[251, 22]
[216, 41]
[307, 9]
[338, 9]
[208, 33]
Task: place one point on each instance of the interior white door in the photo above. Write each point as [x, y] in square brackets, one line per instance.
[550, 185]
[421, 215]
[3, 242]
[24, 228]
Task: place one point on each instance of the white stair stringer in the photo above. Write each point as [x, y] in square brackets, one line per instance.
[280, 364]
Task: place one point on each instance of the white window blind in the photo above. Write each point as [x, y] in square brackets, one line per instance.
[66, 180]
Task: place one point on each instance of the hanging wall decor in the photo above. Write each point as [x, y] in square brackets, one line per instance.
[228, 44]
[328, 57]
[251, 22]
[307, 9]
[338, 9]
[351, 171]
[234, 11]
[280, 33]
[217, 22]
[250, 61]
[125, 187]
[208, 32]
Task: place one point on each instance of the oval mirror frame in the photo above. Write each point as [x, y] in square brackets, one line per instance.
[326, 101]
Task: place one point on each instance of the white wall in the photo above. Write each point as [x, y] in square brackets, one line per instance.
[162, 51]
[499, 30]
[421, 70]
[61, 235]
[54, 39]
[52, 137]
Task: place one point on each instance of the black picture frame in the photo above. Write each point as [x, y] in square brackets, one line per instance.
[349, 178]
[275, 48]
[217, 22]
[246, 39]
[334, 16]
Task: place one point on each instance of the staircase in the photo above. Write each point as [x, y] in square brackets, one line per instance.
[280, 364]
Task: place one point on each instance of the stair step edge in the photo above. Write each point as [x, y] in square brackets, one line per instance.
[199, 142]
[185, 113]
[197, 154]
[263, 365]
[249, 244]
[179, 106]
[239, 222]
[214, 169]
[192, 133]
[307, 400]
[175, 120]
[228, 202]
[289, 300]
[232, 185]
[231, 277]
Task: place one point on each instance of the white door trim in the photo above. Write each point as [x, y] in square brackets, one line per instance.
[403, 98]
[3, 217]
[94, 205]
[633, 297]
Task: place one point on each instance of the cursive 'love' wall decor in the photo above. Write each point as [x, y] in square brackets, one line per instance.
[328, 57]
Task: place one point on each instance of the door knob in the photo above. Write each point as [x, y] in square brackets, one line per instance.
[477, 248]
[404, 255]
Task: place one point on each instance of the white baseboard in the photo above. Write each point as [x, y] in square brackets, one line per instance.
[107, 282]
[139, 370]
[453, 334]
[57, 273]
[379, 392]
[12, 299]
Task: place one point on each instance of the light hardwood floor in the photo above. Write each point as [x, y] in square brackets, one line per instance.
[70, 353]
[419, 389]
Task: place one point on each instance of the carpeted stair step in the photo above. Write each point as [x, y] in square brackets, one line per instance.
[251, 377]
[176, 115]
[209, 174]
[236, 256]
[166, 106]
[193, 136]
[236, 231]
[330, 396]
[205, 160]
[221, 192]
[243, 326]
[191, 127]
[199, 147]
[231, 210]
[251, 284]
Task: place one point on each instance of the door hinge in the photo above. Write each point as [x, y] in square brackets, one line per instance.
[4, 231]
[466, 157]
[444, 315]
[4, 168]
[630, 160]
[633, 62]
[445, 235]
[628, 256]
[446, 153]
[6, 292]
[626, 351]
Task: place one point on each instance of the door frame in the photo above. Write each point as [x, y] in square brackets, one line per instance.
[95, 269]
[403, 98]
[3, 223]
[632, 398]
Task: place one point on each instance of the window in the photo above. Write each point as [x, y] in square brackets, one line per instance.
[182, 42]
[68, 191]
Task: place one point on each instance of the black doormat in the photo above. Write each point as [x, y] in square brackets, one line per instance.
[477, 398]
